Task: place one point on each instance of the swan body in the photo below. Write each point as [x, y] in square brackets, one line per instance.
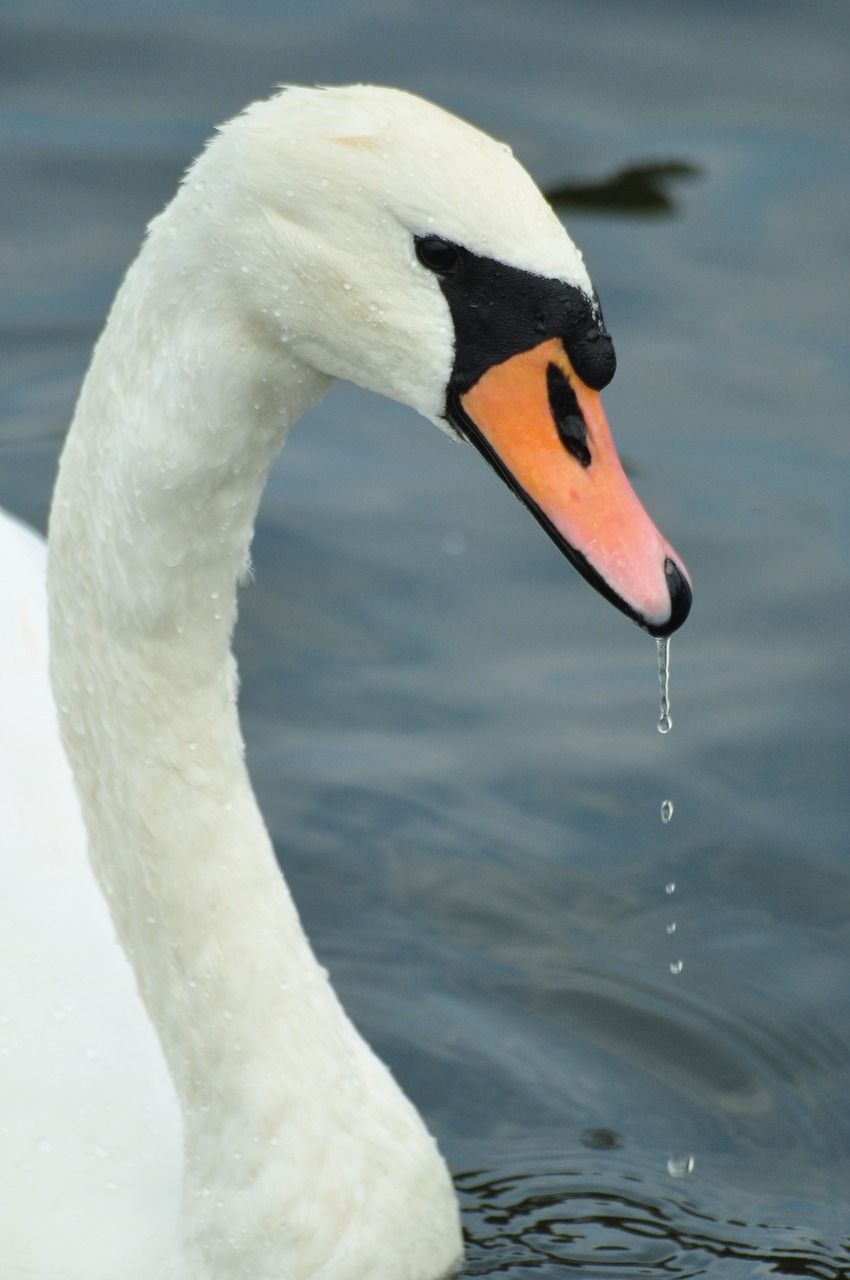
[90, 1158]
[193, 1102]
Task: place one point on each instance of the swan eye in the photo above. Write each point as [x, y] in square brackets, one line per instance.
[440, 256]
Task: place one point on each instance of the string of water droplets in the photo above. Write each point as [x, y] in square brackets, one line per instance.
[680, 1165]
[665, 724]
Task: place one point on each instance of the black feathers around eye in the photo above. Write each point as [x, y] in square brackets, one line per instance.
[438, 255]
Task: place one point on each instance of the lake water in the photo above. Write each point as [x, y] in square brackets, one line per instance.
[453, 738]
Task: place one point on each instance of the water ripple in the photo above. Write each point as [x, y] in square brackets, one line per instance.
[543, 1224]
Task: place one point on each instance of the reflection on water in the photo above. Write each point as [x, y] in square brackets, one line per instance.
[639, 189]
[615, 1225]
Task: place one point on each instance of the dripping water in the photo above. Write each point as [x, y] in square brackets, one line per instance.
[678, 1166]
[676, 966]
[665, 722]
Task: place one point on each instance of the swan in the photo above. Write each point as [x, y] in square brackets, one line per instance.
[191, 1102]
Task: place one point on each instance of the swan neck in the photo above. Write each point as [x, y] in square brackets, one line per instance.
[188, 400]
[150, 530]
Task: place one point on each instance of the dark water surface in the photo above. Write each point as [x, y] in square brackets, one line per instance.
[453, 738]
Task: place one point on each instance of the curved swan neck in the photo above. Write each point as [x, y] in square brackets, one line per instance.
[176, 428]
[182, 412]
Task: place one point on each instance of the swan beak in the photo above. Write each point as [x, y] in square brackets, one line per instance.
[545, 432]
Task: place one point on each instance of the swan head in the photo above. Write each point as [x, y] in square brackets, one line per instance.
[385, 241]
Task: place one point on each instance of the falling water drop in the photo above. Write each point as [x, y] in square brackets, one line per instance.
[666, 811]
[676, 966]
[670, 888]
[665, 722]
[680, 1166]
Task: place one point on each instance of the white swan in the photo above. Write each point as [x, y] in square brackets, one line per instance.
[231, 1124]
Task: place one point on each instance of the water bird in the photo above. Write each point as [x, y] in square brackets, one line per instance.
[193, 1102]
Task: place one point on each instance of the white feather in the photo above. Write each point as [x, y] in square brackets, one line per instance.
[284, 261]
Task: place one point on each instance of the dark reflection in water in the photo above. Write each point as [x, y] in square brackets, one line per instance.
[640, 189]
[541, 1224]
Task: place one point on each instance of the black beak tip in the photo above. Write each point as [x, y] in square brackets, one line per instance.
[681, 599]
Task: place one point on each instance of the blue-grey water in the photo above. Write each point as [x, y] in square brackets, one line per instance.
[453, 738]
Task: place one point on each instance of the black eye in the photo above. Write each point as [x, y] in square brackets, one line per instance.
[438, 255]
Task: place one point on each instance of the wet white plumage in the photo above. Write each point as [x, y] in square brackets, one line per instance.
[284, 261]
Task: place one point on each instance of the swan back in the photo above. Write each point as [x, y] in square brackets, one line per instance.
[90, 1161]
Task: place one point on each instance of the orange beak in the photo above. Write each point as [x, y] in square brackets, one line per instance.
[545, 432]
